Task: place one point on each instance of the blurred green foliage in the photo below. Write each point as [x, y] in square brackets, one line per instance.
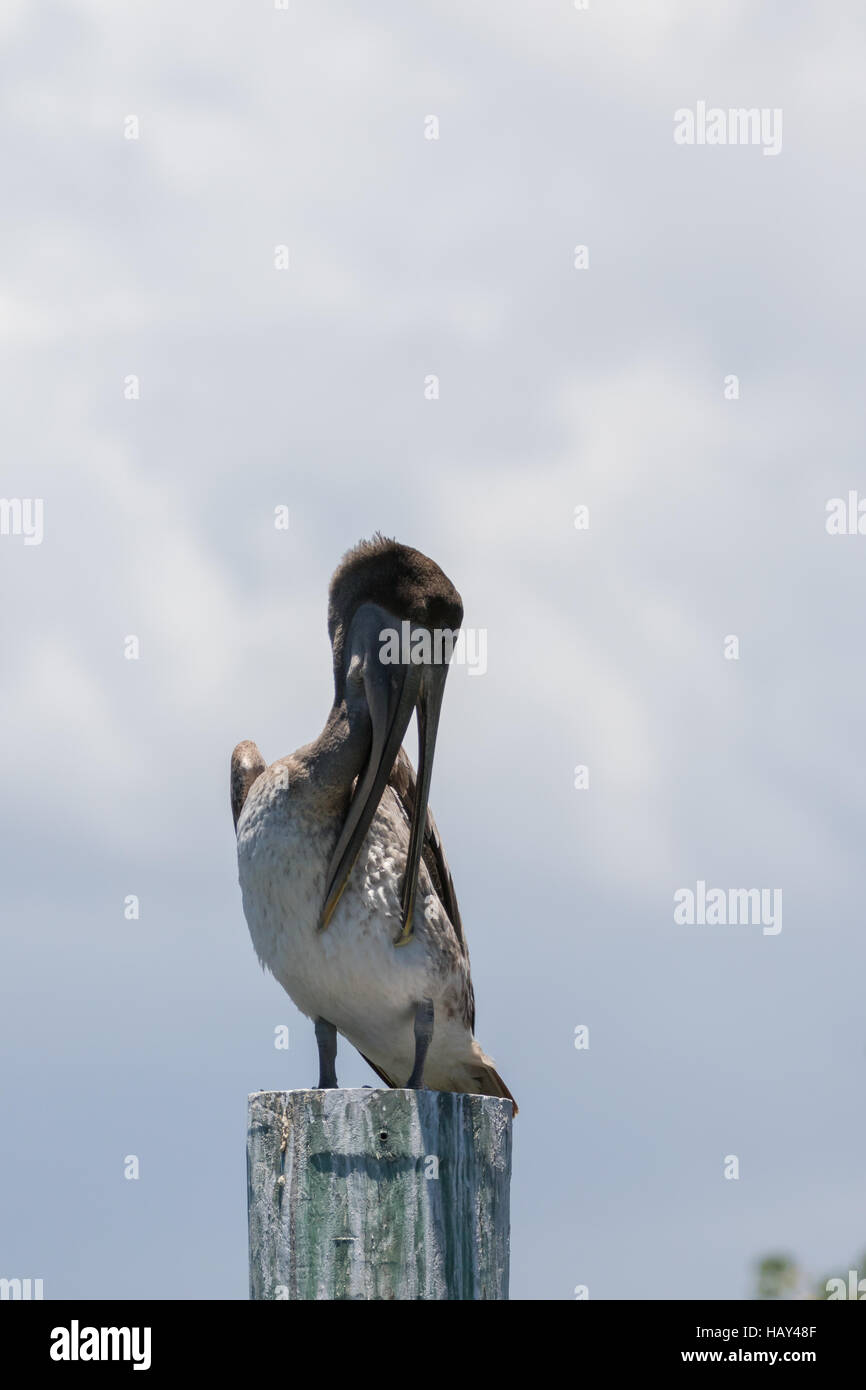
[780, 1276]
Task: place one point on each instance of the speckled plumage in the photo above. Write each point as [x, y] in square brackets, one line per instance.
[352, 974]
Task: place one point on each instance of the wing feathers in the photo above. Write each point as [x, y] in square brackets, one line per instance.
[247, 765]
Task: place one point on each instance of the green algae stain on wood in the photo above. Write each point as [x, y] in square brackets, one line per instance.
[363, 1194]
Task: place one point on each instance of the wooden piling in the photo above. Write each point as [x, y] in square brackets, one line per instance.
[368, 1194]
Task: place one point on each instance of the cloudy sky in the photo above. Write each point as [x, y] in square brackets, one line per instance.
[603, 387]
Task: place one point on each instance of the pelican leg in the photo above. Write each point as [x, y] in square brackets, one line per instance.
[423, 1037]
[326, 1038]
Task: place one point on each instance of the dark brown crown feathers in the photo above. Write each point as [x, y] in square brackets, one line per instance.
[407, 583]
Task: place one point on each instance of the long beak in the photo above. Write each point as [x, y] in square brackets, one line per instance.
[429, 707]
[392, 693]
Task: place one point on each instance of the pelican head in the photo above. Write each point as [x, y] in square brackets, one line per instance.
[393, 617]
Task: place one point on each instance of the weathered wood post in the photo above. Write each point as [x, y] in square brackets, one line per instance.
[368, 1194]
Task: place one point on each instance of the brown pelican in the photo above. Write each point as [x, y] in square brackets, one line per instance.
[345, 885]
